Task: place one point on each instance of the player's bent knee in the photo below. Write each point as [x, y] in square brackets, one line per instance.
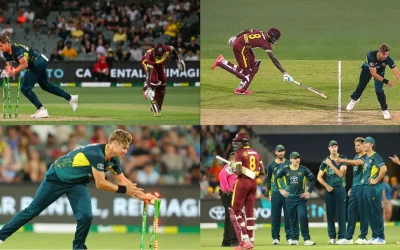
[25, 89]
[85, 217]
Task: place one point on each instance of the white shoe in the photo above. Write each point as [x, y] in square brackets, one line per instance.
[74, 102]
[33, 116]
[309, 243]
[360, 241]
[42, 113]
[275, 242]
[345, 242]
[331, 241]
[294, 243]
[1, 242]
[378, 241]
[371, 240]
[289, 241]
[351, 104]
[386, 115]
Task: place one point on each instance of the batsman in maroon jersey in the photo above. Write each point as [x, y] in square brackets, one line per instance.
[153, 63]
[244, 193]
[243, 45]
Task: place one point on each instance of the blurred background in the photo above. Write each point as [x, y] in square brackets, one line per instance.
[312, 144]
[121, 30]
[164, 159]
[157, 155]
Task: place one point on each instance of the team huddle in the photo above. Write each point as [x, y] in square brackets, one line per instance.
[286, 181]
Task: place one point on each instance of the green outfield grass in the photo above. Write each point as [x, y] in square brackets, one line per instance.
[210, 239]
[315, 35]
[99, 241]
[111, 106]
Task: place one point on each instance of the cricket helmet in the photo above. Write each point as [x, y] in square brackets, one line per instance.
[241, 140]
[274, 35]
[159, 50]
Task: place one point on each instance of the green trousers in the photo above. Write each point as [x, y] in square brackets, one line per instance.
[297, 209]
[365, 77]
[38, 74]
[336, 205]
[277, 203]
[373, 203]
[49, 191]
[356, 208]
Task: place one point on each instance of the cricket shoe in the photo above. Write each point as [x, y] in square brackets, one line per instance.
[309, 243]
[33, 115]
[239, 92]
[294, 242]
[244, 246]
[351, 104]
[331, 242]
[74, 102]
[219, 59]
[398, 243]
[386, 115]
[360, 241]
[41, 113]
[1, 242]
[275, 242]
[378, 241]
[345, 242]
[371, 240]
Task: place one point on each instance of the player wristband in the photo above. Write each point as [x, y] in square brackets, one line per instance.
[121, 189]
[385, 81]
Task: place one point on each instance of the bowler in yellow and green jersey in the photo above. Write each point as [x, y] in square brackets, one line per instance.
[69, 174]
[375, 66]
[36, 64]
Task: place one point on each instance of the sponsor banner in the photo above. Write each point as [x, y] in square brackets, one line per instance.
[179, 206]
[112, 84]
[212, 211]
[120, 72]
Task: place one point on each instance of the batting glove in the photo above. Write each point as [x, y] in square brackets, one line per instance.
[230, 170]
[287, 78]
[4, 74]
[181, 65]
[149, 94]
[231, 40]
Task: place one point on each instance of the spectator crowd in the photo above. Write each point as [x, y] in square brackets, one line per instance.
[157, 155]
[119, 30]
